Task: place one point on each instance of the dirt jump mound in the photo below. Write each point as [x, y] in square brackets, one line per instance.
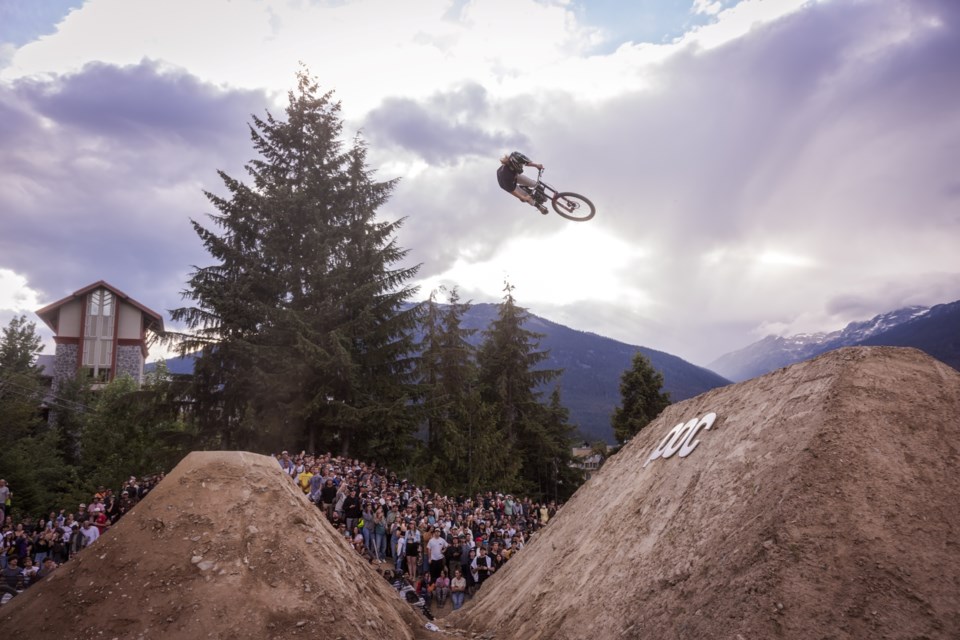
[225, 547]
[821, 502]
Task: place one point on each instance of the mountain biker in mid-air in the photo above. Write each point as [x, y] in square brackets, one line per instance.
[510, 174]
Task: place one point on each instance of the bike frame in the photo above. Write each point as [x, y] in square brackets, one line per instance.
[541, 189]
[567, 204]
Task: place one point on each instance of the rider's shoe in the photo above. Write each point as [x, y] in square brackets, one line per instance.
[543, 209]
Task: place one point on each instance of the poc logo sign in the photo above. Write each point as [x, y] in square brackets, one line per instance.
[680, 439]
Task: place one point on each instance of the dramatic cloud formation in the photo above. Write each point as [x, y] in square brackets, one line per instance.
[768, 167]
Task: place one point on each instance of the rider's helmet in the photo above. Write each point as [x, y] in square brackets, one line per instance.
[517, 161]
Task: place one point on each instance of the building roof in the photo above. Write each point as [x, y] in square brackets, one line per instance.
[49, 313]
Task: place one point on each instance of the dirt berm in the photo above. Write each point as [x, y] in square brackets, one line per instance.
[823, 503]
[224, 547]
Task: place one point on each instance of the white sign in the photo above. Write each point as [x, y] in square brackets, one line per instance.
[681, 438]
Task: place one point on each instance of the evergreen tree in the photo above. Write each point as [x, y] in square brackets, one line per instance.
[509, 385]
[129, 430]
[19, 347]
[447, 377]
[557, 477]
[302, 323]
[21, 393]
[31, 453]
[642, 399]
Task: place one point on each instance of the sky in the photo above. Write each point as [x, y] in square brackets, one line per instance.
[758, 166]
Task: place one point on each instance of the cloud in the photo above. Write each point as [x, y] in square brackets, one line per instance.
[441, 130]
[15, 294]
[788, 164]
[103, 169]
[823, 140]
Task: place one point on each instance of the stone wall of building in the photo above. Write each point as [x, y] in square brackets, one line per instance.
[129, 362]
[65, 363]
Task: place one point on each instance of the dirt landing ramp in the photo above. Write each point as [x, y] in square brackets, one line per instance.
[823, 503]
[225, 547]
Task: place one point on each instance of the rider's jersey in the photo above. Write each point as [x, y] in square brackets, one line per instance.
[506, 178]
[507, 173]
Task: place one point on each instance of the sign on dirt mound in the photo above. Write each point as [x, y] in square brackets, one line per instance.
[225, 547]
[822, 502]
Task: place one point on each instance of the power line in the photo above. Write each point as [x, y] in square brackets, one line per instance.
[47, 397]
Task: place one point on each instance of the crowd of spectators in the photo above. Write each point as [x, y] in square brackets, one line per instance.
[445, 546]
[32, 548]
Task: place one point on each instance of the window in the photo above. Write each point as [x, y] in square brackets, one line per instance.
[98, 334]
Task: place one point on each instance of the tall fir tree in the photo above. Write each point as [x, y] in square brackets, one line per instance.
[447, 378]
[303, 323]
[641, 398]
[557, 477]
[32, 457]
[509, 384]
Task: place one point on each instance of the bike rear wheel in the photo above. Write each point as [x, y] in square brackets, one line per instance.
[573, 206]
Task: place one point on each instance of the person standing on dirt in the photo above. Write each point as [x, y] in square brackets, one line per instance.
[380, 534]
[328, 494]
[483, 567]
[367, 530]
[436, 548]
[412, 549]
[352, 509]
[510, 178]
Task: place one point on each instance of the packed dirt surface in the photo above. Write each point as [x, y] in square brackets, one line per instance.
[823, 503]
[224, 547]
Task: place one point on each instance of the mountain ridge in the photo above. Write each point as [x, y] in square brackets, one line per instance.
[933, 330]
[592, 366]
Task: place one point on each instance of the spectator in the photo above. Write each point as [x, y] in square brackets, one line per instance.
[368, 526]
[49, 564]
[435, 549]
[351, 509]
[102, 523]
[458, 588]
[400, 548]
[77, 540]
[96, 508]
[6, 497]
[441, 588]
[90, 532]
[424, 589]
[412, 549]
[29, 572]
[482, 567]
[328, 496]
[81, 513]
[287, 464]
[380, 534]
[11, 574]
[41, 548]
[473, 578]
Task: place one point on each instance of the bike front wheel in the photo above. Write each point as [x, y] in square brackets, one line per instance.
[573, 206]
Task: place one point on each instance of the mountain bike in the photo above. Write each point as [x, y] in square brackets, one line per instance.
[567, 204]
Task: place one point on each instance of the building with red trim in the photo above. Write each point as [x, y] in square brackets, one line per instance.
[101, 332]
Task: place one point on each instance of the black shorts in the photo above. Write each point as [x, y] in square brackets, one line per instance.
[413, 549]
